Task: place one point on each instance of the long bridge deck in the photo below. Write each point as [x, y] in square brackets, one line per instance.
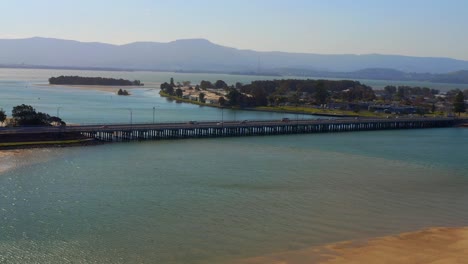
[128, 132]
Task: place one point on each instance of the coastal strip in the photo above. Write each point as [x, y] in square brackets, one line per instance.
[438, 245]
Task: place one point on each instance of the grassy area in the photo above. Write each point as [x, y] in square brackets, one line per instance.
[301, 109]
[32, 143]
[316, 111]
[163, 94]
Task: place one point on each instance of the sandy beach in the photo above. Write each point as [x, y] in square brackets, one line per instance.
[430, 246]
[6, 157]
[15, 158]
[103, 88]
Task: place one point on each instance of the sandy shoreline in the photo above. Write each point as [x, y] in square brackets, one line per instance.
[103, 88]
[441, 245]
[6, 159]
[15, 158]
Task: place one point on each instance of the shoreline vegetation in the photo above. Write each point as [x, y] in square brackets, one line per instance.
[431, 246]
[342, 98]
[79, 80]
[97, 83]
[26, 115]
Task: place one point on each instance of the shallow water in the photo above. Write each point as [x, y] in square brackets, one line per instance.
[215, 200]
[90, 107]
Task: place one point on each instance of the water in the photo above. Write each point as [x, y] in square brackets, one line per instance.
[20, 86]
[89, 107]
[211, 201]
[218, 200]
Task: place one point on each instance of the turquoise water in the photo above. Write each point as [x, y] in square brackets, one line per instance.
[88, 106]
[215, 200]
[18, 86]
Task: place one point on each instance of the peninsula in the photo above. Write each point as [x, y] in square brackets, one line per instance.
[319, 97]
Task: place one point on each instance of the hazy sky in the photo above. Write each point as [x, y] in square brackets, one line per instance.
[407, 27]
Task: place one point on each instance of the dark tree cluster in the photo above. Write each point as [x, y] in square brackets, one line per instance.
[26, 115]
[459, 105]
[168, 88]
[78, 80]
[402, 92]
[206, 85]
[312, 91]
[122, 92]
[3, 116]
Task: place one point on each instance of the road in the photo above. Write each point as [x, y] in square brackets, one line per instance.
[207, 124]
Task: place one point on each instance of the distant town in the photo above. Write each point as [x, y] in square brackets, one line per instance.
[320, 97]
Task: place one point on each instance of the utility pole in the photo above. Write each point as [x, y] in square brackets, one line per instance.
[58, 111]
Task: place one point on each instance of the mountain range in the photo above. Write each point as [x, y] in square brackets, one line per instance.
[200, 55]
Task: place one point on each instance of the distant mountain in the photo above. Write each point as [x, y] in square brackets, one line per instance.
[200, 55]
[459, 77]
[452, 77]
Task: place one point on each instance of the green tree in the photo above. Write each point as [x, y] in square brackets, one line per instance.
[172, 82]
[390, 90]
[201, 97]
[401, 92]
[222, 101]
[459, 103]
[167, 88]
[234, 97]
[205, 85]
[26, 115]
[220, 84]
[178, 92]
[321, 95]
[23, 113]
[3, 116]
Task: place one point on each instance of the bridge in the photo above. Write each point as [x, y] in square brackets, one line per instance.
[192, 129]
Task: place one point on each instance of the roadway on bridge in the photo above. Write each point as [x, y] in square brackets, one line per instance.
[202, 124]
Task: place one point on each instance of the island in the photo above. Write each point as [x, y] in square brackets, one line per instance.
[79, 80]
[123, 92]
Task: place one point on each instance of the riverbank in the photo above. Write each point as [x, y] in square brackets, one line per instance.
[45, 140]
[288, 109]
[439, 245]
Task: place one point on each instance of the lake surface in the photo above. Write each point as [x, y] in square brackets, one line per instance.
[217, 200]
[91, 107]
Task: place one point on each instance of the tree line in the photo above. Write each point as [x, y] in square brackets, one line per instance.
[263, 93]
[26, 115]
[79, 80]
[312, 92]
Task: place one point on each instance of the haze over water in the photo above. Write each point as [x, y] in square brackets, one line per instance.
[217, 200]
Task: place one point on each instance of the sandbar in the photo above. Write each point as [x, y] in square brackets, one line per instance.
[438, 245]
[103, 88]
[6, 159]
